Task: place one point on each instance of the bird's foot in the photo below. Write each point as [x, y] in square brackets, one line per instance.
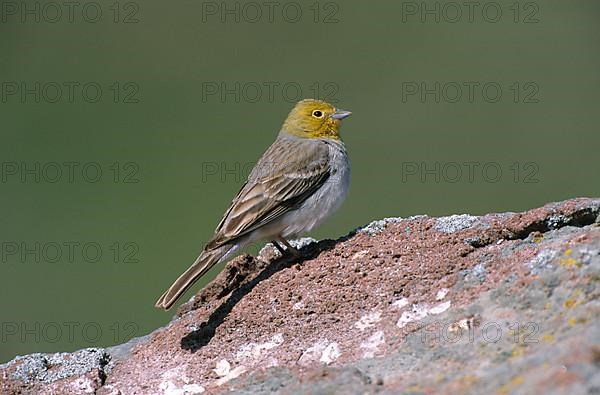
[288, 246]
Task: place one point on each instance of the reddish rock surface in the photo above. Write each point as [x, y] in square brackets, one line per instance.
[502, 303]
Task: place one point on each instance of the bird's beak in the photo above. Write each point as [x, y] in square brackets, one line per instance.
[341, 114]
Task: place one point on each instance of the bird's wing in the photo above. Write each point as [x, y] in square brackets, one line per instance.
[288, 173]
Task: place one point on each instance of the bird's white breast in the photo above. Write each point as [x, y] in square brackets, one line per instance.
[327, 199]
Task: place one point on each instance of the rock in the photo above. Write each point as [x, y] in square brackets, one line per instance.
[501, 303]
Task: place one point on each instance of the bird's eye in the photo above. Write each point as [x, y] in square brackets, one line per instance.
[317, 114]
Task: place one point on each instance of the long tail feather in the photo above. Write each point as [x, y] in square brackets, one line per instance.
[203, 264]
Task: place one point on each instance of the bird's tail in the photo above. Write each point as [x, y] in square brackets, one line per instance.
[203, 263]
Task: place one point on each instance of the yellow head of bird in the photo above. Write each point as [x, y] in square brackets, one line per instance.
[312, 118]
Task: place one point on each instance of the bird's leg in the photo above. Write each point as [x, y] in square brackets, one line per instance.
[291, 249]
[280, 248]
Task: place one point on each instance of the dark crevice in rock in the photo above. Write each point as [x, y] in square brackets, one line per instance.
[580, 218]
[103, 367]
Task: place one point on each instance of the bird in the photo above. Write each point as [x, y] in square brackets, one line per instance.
[300, 180]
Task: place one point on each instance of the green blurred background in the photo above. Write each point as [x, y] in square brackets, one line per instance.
[174, 147]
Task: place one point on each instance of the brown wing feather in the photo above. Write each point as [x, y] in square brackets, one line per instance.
[287, 174]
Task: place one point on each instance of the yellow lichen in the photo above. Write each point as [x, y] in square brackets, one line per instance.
[569, 303]
[568, 262]
[574, 299]
[576, 320]
[548, 338]
[518, 351]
